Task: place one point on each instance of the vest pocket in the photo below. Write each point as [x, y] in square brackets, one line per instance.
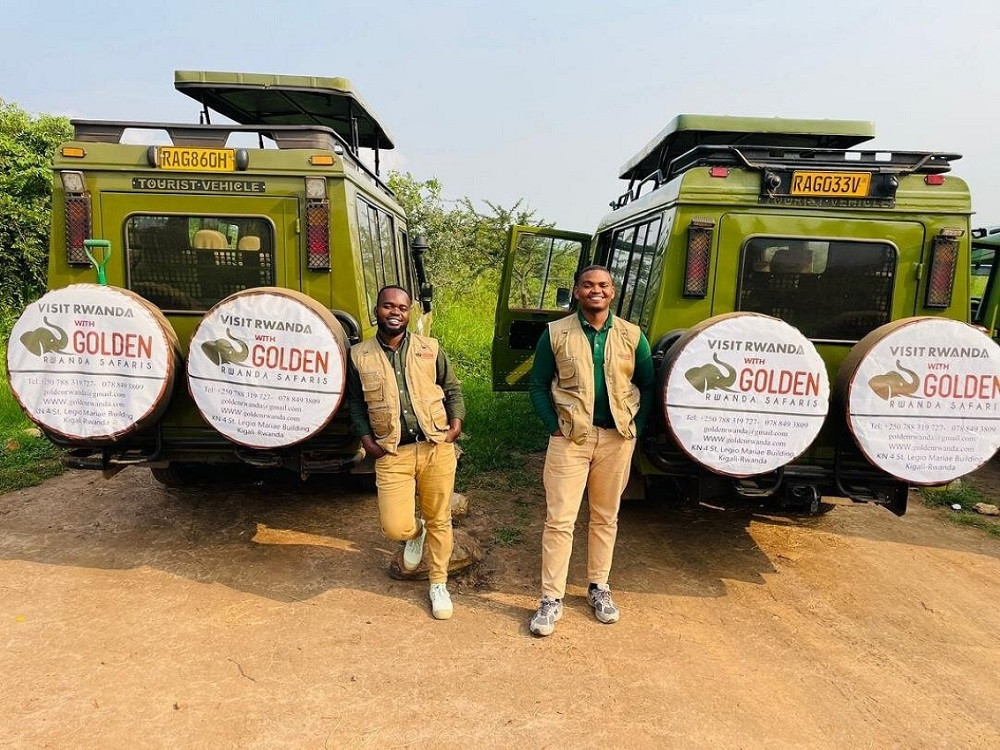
[566, 414]
[381, 421]
[567, 373]
[372, 386]
[439, 416]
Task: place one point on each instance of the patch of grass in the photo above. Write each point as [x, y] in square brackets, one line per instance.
[25, 458]
[499, 427]
[508, 536]
[955, 493]
[966, 496]
[980, 522]
[28, 461]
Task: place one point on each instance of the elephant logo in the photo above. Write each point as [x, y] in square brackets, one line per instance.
[709, 377]
[224, 352]
[893, 384]
[43, 340]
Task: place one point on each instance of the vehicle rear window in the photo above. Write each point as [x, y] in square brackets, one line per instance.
[830, 290]
[188, 263]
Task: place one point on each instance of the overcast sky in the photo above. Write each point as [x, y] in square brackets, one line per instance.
[536, 100]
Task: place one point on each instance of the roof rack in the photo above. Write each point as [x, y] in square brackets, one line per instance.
[760, 158]
[216, 136]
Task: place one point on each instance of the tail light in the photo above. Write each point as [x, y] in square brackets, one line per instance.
[317, 225]
[944, 259]
[699, 255]
[78, 214]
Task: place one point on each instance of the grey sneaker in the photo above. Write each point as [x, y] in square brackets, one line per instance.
[599, 597]
[440, 601]
[413, 552]
[543, 622]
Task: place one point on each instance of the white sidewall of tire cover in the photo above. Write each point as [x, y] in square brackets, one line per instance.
[288, 386]
[107, 377]
[749, 427]
[926, 437]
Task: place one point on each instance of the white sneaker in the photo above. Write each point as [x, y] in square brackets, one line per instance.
[543, 622]
[413, 552]
[440, 601]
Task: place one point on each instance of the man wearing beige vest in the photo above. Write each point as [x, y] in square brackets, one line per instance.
[592, 386]
[407, 408]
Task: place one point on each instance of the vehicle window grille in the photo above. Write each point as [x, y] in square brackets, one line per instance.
[829, 290]
[165, 267]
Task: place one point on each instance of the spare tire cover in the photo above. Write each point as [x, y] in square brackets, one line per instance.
[922, 398]
[266, 367]
[743, 393]
[92, 363]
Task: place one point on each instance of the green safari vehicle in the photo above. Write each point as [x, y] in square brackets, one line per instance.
[279, 197]
[791, 219]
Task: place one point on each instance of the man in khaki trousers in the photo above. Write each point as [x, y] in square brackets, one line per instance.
[592, 386]
[407, 407]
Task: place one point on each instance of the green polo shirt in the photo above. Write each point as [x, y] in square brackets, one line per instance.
[454, 403]
[544, 369]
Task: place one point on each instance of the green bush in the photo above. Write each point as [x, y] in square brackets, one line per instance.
[26, 147]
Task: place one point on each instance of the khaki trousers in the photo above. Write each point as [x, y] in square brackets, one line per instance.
[426, 470]
[601, 465]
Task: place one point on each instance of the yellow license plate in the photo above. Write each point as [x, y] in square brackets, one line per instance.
[178, 159]
[831, 184]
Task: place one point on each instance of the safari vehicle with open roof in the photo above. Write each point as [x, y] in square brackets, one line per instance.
[278, 199]
[755, 254]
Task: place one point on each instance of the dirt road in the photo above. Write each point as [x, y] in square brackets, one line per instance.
[260, 616]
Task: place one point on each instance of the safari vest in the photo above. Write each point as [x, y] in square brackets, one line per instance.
[573, 384]
[378, 382]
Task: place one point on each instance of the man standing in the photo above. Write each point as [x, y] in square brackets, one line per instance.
[592, 386]
[407, 408]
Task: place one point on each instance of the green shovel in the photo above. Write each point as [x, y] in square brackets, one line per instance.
[105, 247]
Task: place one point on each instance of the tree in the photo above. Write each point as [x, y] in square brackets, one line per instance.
[467, 245]
[26, 147]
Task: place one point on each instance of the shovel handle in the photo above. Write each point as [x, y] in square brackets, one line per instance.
[105, 247]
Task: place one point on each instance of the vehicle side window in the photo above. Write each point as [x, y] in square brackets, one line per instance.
[541, 267]
[184, 263]
[630, 265]
[405, 263]
[830, 290]
[603, 248]
[386, 237]
[649, 282]
[378, 252]
[621, 251]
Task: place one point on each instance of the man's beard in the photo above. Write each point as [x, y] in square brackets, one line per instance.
[384, 329]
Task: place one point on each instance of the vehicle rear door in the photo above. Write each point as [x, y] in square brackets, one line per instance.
[834, 280]
[535, 289]
[186, 252]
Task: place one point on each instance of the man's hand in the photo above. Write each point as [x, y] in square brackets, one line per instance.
[454, 431]
[372, 448]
